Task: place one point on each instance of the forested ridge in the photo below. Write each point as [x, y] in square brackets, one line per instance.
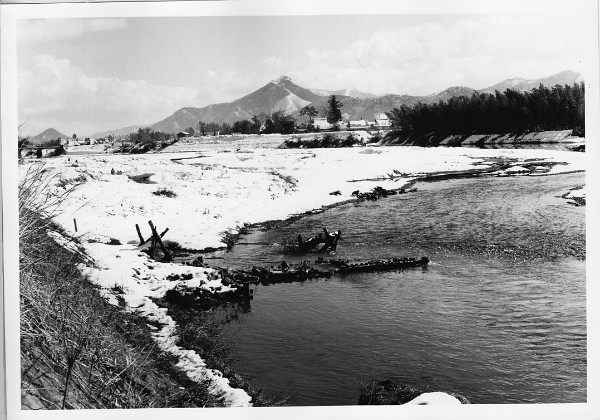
[511, 111]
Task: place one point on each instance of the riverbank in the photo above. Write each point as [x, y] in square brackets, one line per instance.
[201, 197]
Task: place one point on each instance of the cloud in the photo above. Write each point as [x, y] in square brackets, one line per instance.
[60, 29]
[475, 51]
[271, 63]
[55, 92]
[54, 89]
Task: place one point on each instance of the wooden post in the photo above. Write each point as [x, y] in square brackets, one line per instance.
[75, 223]
[151, 237]
[335, 241]
[246, 290]
[165, 251]
[139, 232]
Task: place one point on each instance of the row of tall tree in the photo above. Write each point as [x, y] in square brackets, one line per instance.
[542, 108]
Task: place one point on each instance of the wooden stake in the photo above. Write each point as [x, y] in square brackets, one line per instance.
[139, 232]
[161, 235]
[75, 223]
[165, 251]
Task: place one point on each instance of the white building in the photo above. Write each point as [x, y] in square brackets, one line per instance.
[322, 124]
[382, 120]
[358, 124]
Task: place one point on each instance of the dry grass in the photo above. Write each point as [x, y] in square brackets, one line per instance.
[78, 351]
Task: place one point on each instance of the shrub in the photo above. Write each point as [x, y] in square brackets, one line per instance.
[375, 138]
[165, 192]
[328, 140]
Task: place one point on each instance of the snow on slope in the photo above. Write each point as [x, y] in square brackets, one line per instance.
[290, 104]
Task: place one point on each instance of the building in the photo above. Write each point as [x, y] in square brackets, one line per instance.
[356, 124]
[382, 120]
[322, 124]
[183, 134]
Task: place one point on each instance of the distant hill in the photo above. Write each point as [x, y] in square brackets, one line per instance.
[47, 135]
[119, 132]
[284, 95]
[353, 93]
[451, 92]
[366, 108]
[566, 77]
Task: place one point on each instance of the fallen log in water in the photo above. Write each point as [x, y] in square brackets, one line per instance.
[285, 273]
[239, 281]
[379, 265]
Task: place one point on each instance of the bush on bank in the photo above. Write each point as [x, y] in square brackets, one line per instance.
[327, 140]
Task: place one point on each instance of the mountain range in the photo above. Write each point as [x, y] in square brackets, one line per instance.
[284, 95]
[567, 77]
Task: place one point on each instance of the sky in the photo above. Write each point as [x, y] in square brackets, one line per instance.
[85, 75]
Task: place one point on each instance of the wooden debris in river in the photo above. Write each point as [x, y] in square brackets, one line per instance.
[155, 240]
[285, 273]
[329, 241]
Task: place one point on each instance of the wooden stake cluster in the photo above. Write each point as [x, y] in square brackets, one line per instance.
[155, 239]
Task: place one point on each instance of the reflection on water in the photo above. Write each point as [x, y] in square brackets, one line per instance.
[498, 315]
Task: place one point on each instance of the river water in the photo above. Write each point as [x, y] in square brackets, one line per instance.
[498, 315]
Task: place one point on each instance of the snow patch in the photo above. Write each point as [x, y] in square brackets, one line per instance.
[290, 104]
[434, 398]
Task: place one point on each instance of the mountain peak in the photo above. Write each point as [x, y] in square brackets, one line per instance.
[282, 80]
[49, 134]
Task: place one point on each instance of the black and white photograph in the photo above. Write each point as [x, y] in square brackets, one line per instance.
[259, 209]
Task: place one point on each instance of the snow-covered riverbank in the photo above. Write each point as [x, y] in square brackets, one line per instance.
[200, 195]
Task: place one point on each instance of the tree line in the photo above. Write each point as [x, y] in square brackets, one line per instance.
[277, 122]
[511, 111]
[146, 135]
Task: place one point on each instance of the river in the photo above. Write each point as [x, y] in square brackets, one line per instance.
[498, 315]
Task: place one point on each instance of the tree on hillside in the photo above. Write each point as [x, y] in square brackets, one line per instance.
[190, 130]
[309, 111]
[74, 136]
[334, 113]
